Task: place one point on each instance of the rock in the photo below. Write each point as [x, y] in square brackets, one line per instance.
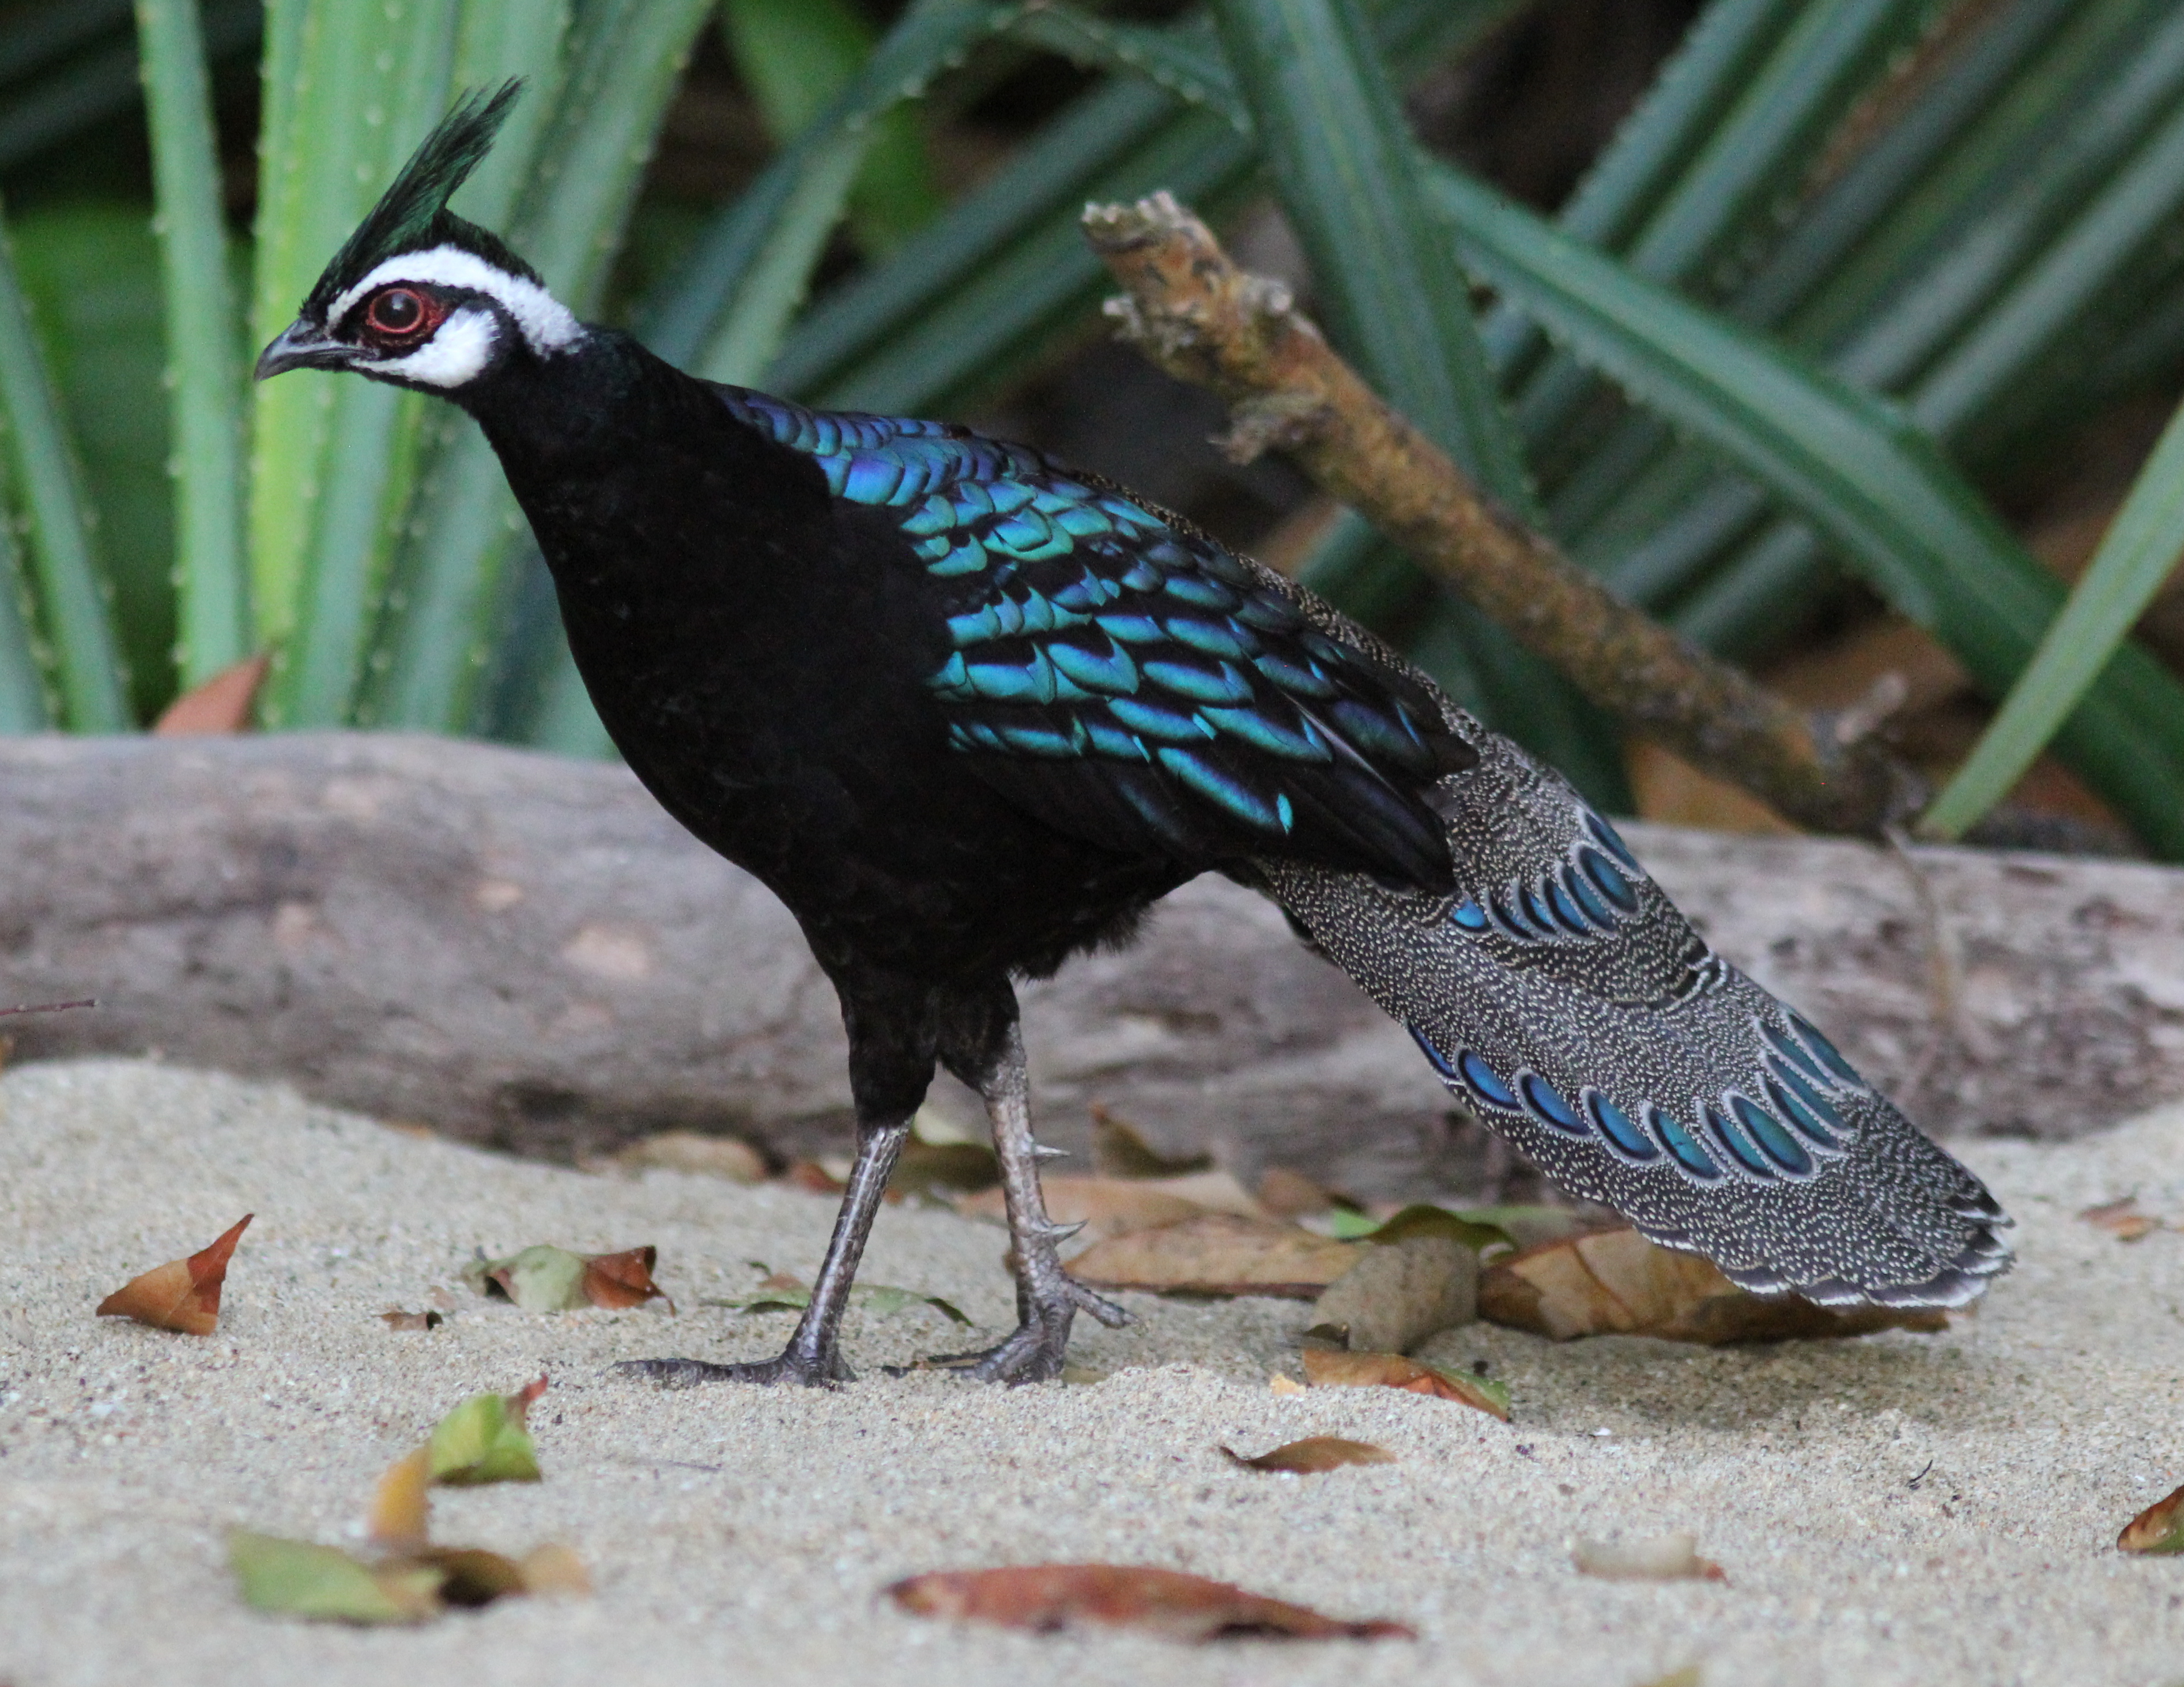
[1400, 1292]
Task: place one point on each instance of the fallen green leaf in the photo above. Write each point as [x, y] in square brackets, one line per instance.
[1529, 1226]
[1466, 1232]
[2158, 1528]
[484, 1440]
[939, 1170]
[773, 1301]
[539, 1279]
[1487, 1395]
[881, 1299]
[1478, 1228]
[298, 1578]
[886, 1301]
[549, 1279]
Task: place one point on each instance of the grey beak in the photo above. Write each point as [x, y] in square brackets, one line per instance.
[300, 346]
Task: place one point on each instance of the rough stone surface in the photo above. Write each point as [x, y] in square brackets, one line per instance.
[1400, 1292]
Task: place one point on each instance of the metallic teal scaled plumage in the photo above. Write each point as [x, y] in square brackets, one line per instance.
[1087, 623]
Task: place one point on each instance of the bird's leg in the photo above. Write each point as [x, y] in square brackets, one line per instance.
[811, 1356]
[1047, 1298]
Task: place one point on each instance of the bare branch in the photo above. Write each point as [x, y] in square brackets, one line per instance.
[1194, 313]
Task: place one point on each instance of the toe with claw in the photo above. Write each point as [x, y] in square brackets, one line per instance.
[1036, 1350]
[789, 1368]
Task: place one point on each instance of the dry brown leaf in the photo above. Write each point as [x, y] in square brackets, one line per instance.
[181, 1294]
[810, 1176]
[1119, 1149]
[1670, 790]
[473, 1576]
[1291, 1194]
[2158, 1528]
[396, 1319]
[1045, 1597]
[553, 1569]
[1615, 1281]
[1316, 1453]
[708, 1156]
[1105, 1206]
[1668, 1557]
[623, 1279]
[401, 1504]
[1217, 1253]
[545, 1279]
[1216, 1191]
[1327, 1367]
[299, 1579]
[404, 1577]
[2122, 1219]
[943, 1170]
[221, 704]
[1838, 674]
[1400, 1292]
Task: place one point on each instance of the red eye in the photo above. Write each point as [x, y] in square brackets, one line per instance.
[397, 313]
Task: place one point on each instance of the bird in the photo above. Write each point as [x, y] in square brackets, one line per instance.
[969, 711]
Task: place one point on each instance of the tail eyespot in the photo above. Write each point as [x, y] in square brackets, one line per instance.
[1614, 1126]
[1608, 879]
[1830, 1056]
[1485, 1083]
[1775, 1141]
[1683, 1147]
[1739, 1146]
[1803, 1117]
[1544, 1101]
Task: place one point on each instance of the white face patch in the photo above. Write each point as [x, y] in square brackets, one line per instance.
[457, 353]
[547, 324]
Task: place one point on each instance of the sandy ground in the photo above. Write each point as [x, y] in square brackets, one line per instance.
[1898, 1509]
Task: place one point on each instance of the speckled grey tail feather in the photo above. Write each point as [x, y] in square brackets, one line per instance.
[1563, 996]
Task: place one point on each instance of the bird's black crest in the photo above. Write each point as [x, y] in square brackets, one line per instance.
[412, 213]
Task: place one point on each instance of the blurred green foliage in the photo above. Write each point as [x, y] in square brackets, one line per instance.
[1844, 259]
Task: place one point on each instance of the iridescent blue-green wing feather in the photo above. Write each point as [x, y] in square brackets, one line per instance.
[1125, 677]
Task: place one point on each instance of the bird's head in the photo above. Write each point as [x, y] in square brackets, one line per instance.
[419, 297]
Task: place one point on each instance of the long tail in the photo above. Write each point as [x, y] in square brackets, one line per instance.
[1564, 998]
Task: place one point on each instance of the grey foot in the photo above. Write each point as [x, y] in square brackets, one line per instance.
[686, 1374]
[1035, 1350]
